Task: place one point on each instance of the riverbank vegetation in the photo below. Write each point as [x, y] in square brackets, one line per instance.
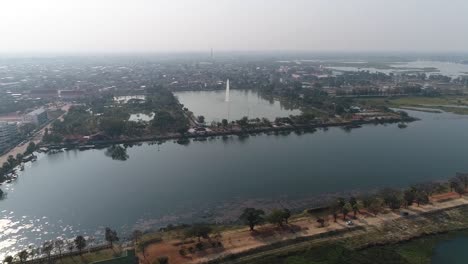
[452, 104]
[8, 168]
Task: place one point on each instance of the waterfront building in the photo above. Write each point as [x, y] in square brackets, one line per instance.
[8, 134]
[37, 117]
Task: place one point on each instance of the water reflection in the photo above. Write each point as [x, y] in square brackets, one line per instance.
[212, 106]
[117, 152]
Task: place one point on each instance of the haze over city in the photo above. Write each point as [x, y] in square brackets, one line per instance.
[88, 26]
[233, 131]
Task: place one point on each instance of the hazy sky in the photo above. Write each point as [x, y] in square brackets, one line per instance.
[198, 25]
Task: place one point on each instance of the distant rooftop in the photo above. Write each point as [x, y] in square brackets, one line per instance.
[37, 111]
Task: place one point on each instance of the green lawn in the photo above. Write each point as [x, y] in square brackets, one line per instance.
[423, 102]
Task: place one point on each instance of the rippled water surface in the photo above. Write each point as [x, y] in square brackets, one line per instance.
[81, 192]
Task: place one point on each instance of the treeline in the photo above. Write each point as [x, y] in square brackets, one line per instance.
[392, 199]
[60, 248]
[12, 162]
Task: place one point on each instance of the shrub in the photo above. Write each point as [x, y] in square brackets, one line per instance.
[163, 260]
[182, 252]
[199, 246]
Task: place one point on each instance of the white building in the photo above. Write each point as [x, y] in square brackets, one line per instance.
[8, 134]
[37, 117]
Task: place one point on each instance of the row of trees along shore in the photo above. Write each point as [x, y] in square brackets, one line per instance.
[339, 208]
[12, 162]
[60, 248]
[387, 198]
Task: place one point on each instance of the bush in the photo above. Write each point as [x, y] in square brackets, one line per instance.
[163, 260]
[199, 246]
[182, 252]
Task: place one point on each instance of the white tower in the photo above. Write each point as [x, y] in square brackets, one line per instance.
[227, 91]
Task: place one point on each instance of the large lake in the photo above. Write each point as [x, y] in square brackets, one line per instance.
[81, 192]
[213, 106]
[451, 251]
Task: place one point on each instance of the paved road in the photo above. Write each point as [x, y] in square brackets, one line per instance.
[36, 139]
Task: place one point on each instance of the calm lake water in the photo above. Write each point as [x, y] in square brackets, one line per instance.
[212, 105]
[81, 192]
[452, 251]
[453, 70]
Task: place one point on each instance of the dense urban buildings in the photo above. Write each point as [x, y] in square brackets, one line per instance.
[8, 135]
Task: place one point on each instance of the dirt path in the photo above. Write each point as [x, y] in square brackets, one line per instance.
[242, 240]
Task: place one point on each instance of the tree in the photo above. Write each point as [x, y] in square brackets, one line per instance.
[19, 157]
[355, 205]
[346, 209]
[409, 196]
[12, 161]
[224, 122]
[136, 235]
[201, 119]
[252, 217]
[244, 121]
[33, 252]
[276, 217]
[80, 243]
[59, 244]
[47, 248]
[112, 126]
[463, 178]
[459, 189]
[23, 256]
[321, 221]
[117, 152]
[199, 231]
[70, 246]
[454, 182]
[8, 259]
[392, 198]
[335, 209]
[286, 215]
[163, 260]
[111, 236]
[375, 206]
[31, 148]
[422, 197]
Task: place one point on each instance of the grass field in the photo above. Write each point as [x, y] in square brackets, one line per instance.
[452, 104]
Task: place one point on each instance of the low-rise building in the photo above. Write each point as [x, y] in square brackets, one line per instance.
[71, 94]
[43, 93]
[8, 135]
[37, 117]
